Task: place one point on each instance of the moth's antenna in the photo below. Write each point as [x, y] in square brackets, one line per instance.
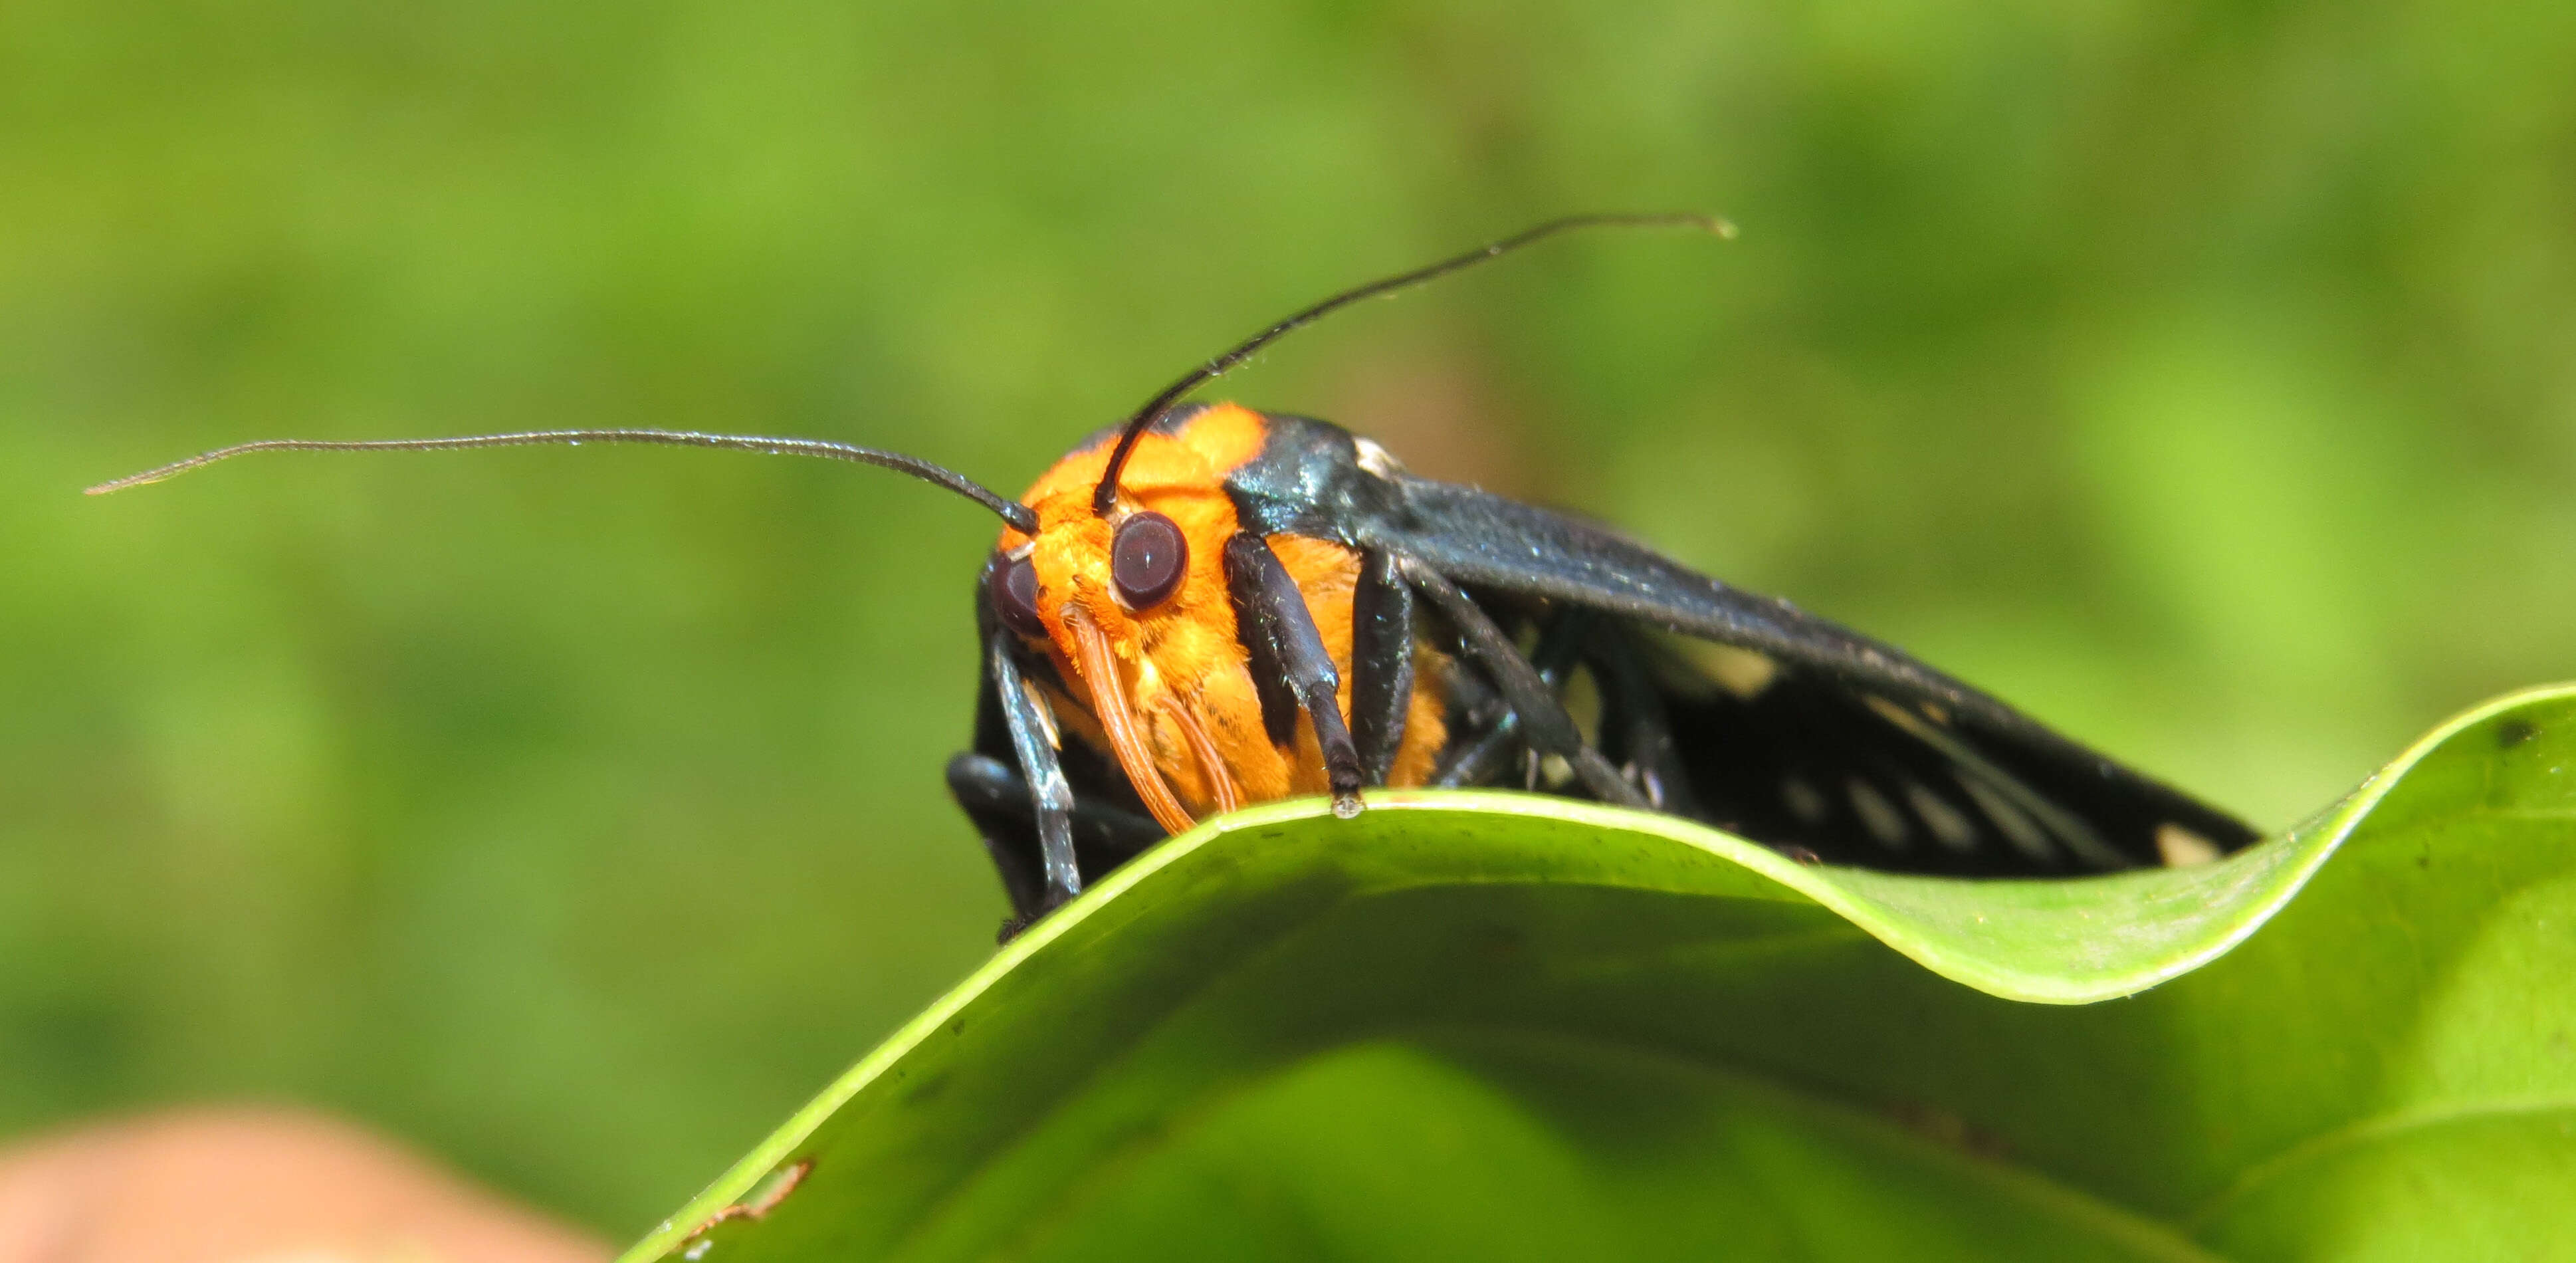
[1020, 516]
[1105, 496]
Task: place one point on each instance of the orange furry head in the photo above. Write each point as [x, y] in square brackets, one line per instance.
[1165, 685]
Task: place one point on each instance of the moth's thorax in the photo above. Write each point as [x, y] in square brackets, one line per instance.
[1183, 654]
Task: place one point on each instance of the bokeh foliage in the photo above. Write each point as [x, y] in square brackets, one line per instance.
[2196, 375]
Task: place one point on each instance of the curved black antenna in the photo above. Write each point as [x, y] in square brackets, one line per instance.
[1105, 496]
[1019, 516]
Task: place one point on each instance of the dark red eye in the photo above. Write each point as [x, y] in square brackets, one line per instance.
[1147, 559]
[1012, 585]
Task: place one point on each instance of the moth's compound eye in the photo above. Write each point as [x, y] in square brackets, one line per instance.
[1012, 584]
[1147, 559]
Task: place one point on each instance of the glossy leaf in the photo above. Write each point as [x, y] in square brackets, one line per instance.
[1496, 1027]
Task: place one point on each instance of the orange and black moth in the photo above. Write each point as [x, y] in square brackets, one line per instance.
[1211, 606]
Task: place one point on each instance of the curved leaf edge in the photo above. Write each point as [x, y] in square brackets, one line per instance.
[2279, 869]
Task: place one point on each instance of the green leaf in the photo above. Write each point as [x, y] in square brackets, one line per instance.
[1487, 1026]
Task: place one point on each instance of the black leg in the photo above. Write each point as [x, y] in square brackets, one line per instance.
[1635, 732]
[1279, 632]
[1381, 664]
[1103, 835]
[1479, 759]
[1550, 730]
[1480, 727]
[1010, 838]
[1050, 798]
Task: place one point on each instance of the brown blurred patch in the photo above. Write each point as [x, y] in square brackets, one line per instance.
[1943, 1127]
[255, 1186]
[1442, 416]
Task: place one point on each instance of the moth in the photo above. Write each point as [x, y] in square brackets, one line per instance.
[1209, 606]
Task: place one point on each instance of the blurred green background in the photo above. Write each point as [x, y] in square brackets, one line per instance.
[2198, 376]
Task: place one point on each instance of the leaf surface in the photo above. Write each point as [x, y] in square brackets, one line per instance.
[1490, 1026]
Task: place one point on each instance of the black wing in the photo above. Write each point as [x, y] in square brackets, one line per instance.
[1812, 736]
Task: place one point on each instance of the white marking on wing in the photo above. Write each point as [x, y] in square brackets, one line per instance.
[2069, 828]
[1877, 814]
[1555, 771]
[1375, 459]
[2020, 830]
[1737, 670]
[1949, 826]
[1803, 800]
[2181, 848]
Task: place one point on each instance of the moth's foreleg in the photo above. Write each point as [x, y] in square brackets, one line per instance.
[1475, 759]
[1279, 632]
[1482, 757]
[1549, 729]
[1635, 732]
[1103, 835]
[1010, 838]
[1381, 664]
[1008, 829]
[1050, 798]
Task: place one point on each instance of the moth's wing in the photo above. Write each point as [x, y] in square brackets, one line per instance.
[1840, 725]
[1798, 759]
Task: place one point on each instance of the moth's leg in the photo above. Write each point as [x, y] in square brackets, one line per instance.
[1103, 835]
[1480, 724]
[1550, 730]
[1635, 732]
[1479, 760]
[1010, 837]
[1475, 761]
[1279, 632]
[1381, 664]
[1050, 798]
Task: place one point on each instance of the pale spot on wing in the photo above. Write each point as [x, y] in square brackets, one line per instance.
[1554, 770]
[2017, 827]
[2182, 848]
[1877, 814]
[1949, 827]
[1740, 671]
[1803, 800]
[1581, 695]
[1375, 459]
[1892, 712]
[1980, 773]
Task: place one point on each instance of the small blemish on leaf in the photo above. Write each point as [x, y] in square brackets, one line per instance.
[764, 1198]
[2514, 732]
[1943, 1127]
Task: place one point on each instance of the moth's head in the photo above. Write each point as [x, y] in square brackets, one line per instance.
[1146, 580]
[1131, 602]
